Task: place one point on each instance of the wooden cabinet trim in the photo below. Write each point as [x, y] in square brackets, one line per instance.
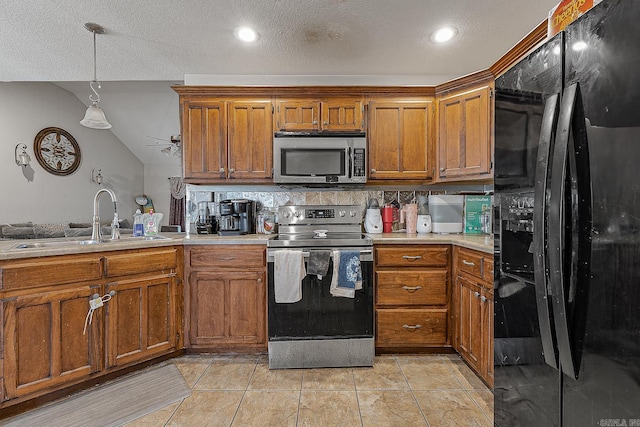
[146, 261]
[59, 270]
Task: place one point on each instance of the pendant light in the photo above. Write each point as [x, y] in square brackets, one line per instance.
[94, 117]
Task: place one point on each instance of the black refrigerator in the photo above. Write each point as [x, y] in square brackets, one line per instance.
[567, 209]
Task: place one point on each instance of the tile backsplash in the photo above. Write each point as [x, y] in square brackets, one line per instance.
[273, 198]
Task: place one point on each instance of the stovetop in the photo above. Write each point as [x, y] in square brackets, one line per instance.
[320, 226]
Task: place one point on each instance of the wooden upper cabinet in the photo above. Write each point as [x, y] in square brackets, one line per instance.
[298, 114]
[401, 142]
[227, 139]
[204, 132]
[465, 135]
[342, 114]
[250, 145]
[314, 114]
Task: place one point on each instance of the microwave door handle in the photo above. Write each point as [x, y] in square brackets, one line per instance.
[547, 130]
[350, 162]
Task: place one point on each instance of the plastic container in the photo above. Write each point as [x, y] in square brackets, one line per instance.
[446, 213]
[138, 226]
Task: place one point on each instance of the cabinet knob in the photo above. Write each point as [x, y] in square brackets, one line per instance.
[259, 280]
[231, 170]
[315, 122]
[373, 171]
[325, 123]
[483, 298]
[476, 294]
[442, 169]
[221, 170]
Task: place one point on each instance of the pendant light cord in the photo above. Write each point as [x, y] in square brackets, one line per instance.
[95, 78]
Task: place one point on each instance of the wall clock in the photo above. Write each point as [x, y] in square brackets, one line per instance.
[57, 151]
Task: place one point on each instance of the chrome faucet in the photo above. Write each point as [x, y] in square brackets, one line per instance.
[96, 232]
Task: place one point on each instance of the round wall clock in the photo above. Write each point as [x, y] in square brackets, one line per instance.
[57, 151]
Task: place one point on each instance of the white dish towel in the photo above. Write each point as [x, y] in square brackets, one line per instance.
[288, 274]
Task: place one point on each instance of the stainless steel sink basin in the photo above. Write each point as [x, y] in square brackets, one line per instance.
[67, 243]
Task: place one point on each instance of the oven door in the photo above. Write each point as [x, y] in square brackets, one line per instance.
[319, 315]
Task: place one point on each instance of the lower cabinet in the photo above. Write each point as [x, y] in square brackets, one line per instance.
[44, 343]
[473, 310]
[141, 320]
[45, 346]
[412, 288]
[226, 298]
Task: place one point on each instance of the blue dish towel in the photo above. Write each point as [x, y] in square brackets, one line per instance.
[347, 274]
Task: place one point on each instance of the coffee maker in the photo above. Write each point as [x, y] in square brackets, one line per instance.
[206, 222]
[237, 217]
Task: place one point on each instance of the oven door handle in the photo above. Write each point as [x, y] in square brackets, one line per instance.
[305, 254]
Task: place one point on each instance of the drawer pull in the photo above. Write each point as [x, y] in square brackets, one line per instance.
[412, 288]
[469, 263]
[411, 258]
[476, 294]
[412, 327]
[225, 258]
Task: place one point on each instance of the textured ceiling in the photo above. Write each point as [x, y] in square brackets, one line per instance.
[163, 40]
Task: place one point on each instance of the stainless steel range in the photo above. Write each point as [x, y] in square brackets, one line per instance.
[321, 330]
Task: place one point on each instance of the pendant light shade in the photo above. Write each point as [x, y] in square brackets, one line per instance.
[94, 118]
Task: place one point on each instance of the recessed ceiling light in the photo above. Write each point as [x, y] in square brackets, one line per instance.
[246, 34]
[443, 35]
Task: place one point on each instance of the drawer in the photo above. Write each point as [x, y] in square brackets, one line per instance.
[470, 262]
[413, 287]
[487, 271]
[145, 261]
[412, 256]
[411, 327]
[228, 257]
[49, 271]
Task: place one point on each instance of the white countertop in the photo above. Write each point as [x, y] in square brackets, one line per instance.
[482, 243]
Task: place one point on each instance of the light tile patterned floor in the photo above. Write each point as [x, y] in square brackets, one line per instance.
[433, 390]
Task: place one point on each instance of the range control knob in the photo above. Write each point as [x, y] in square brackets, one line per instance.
[287, 214]
[298, 214]
[352, 214]
[342, 214]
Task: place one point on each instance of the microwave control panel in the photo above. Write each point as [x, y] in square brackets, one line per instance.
[359, 162]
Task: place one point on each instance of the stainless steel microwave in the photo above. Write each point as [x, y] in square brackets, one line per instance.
[304, 158]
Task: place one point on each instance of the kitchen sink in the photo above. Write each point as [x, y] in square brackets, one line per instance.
[67, 243]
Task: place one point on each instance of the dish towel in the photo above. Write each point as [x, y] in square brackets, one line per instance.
[347, 275]
[319, 263]
[288, 274]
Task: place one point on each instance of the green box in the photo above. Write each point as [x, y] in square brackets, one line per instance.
[477, 214]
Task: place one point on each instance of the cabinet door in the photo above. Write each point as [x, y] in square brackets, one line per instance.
[342, 114]
[400, 146]
[250, 140]
[227, 308]
[464, 143]
[298, 114]
[44, 344]
[487, 334]
[470, 321]
[141, 319]
[204, 133]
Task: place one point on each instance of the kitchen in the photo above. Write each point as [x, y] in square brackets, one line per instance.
[369, 94]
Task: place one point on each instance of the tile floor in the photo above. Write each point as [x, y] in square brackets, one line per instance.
[434, 390]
